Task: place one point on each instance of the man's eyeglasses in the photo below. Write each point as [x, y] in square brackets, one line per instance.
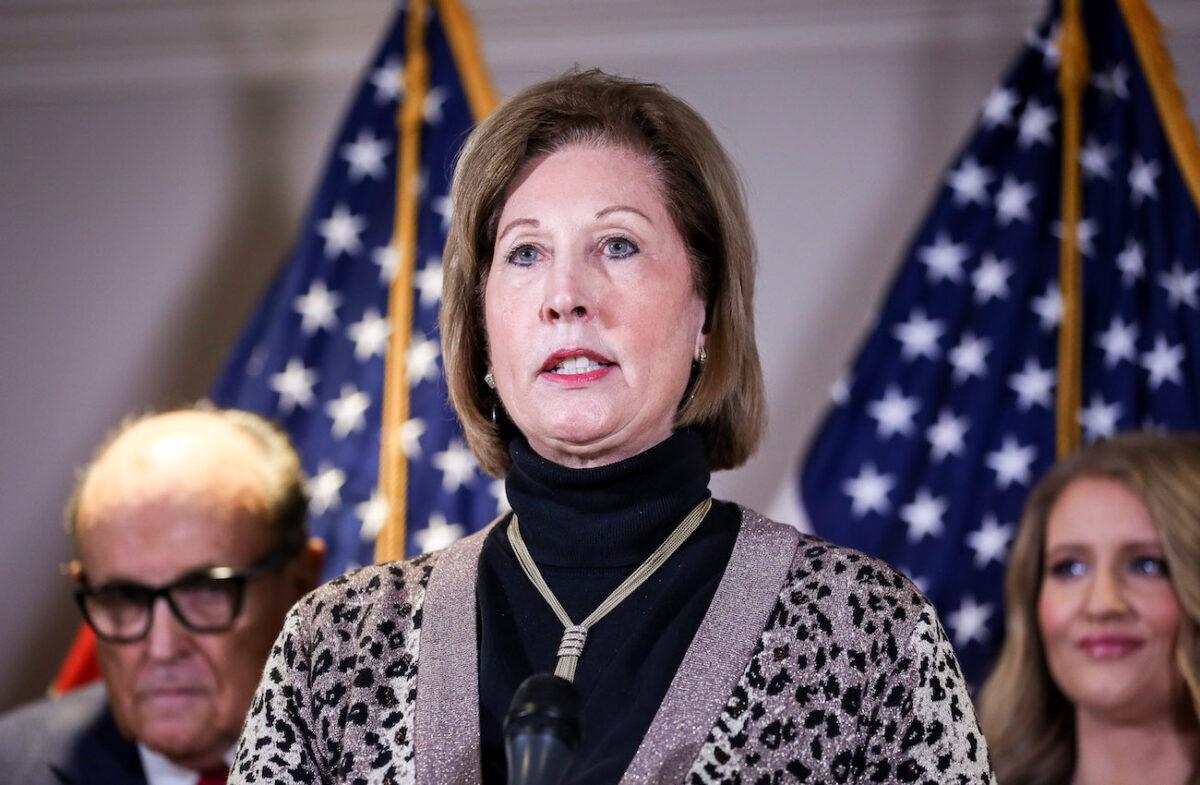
[204, 601]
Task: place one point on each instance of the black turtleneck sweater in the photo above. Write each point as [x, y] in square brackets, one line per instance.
[587, 529]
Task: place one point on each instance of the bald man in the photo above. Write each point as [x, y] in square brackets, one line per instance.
[190, 536]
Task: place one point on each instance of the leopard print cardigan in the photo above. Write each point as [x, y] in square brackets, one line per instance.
[813, 664]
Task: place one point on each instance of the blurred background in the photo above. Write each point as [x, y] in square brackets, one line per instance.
[157, 156]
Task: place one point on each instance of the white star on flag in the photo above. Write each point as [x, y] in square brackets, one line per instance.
[1048, 46]
[370, 335]
[1096, 159]
[924, 516]
[990, 542]
[998, 106]
[432, 108]
[348, 411]
[1049, 307]
[420, 361]
[1180, 285]
[919, 336]
[969, 622]
[388, 80]
[373, 514]
[428, 281]
[411, 432]
[946, 435]
[893, 413]
[1142, 175]
[325, 489]
[457, 465]
[317, 308]
[294, 385]
[967, 357]
[438, 534]
[840, 391]
[388, 260]
[1162, 362]
[1012, 201]
[445, 208]
[1032, 385]
[1035, 124]
[969, 182]
[365, 156]
[868, 491]
[497, 489]
[991, 279]
[1131, 261]
[1085, 232]
[1114, 81]
[1099, 419]
[944, 259]
[1011, 462]
[1119, 342]
[341, 232]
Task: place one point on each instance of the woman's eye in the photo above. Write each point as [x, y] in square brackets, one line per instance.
[619, 247]
[1150, 565]
[523, 255]
[1068, 568]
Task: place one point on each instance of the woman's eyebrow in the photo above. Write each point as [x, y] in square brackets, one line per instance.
[518, 222]
[626, 208]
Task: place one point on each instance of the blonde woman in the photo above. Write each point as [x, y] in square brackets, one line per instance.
[1097, 681]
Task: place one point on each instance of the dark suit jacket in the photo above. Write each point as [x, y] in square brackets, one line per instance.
[72, 739]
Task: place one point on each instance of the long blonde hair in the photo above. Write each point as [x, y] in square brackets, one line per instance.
[1028, 722]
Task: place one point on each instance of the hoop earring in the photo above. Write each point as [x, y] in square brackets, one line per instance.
[702, 357]
[489, 380]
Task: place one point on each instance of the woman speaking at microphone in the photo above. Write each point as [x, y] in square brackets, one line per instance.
[598, 339]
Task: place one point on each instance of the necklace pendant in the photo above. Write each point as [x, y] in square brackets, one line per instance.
[569, 651]
[572, 641]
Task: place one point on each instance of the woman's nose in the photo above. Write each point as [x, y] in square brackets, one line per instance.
[568, 292]
[1106, 595]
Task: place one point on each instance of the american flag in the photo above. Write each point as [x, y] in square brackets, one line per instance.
[313, 356]
[946, 417]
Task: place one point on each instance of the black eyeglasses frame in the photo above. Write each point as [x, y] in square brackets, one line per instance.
[273, 560]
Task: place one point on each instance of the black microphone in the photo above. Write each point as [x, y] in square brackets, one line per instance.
[541, 730]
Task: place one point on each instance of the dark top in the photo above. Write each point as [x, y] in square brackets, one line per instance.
[73, 739]
[587, 529]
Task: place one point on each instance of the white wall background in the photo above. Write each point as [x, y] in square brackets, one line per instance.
[156, 156]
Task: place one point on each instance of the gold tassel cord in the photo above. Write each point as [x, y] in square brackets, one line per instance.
[1072, 79]
[1156, 64]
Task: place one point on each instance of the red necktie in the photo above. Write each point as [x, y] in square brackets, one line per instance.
[214, 776]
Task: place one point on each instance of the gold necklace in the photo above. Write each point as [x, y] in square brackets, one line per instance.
[575, 635]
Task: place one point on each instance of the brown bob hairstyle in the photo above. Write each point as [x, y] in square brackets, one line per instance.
[703, 195]
[1029, 723]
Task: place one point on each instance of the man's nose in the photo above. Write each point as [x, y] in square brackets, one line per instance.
[167, 635]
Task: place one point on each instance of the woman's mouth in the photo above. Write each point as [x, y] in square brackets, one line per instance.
[1107, 647]
[576, 365]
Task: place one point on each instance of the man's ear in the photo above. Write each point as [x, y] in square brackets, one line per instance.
[309, 563]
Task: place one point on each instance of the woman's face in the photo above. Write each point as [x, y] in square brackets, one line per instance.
[592, 317]
[1107, 611]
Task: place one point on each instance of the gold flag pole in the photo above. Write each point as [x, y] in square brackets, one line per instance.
[481, 96]
[393, 464]
[1072, 79]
